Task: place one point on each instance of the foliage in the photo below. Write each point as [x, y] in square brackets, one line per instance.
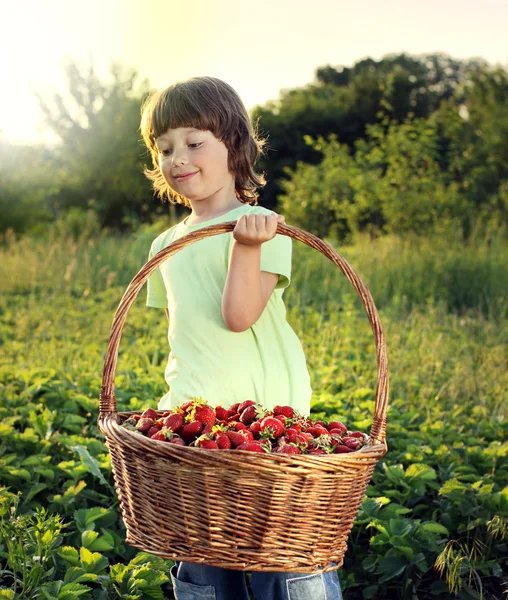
[435, 517]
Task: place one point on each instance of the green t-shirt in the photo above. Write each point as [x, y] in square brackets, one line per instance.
[265, 363]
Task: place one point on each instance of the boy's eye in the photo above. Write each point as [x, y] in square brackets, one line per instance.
[166, 152]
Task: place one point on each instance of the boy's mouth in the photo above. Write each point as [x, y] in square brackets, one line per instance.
[185, 177]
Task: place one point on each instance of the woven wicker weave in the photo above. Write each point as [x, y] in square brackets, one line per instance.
[237, 509]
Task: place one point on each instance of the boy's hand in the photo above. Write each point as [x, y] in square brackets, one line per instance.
[253, 230]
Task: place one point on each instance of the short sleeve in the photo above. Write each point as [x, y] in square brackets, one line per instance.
[156, 290]
[276, 258]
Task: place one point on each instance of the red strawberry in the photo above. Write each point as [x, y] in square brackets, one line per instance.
[234, 407]
[149, 413]
[272, 427]
[176, 439]
[357, 434]
[351, 442]
[341, 449]
[144, 424]
[255, 428]
[153, 430]
[315, 431]
[206, 442]
[233, 417]
[191, 430]
[174, 421]
[223, 441]
[239, 426]
[185, 406]
[336, 431]
[291, 434]
[252, 446]
[239, 437]
[287, 411]
[288, 449]
[317, 451]
[243, 405]
[166, 414]
[337, 425]
[136, 417]
[248, 415]
[208, 428]
[163, 435]
[221, 413]
[205, 414]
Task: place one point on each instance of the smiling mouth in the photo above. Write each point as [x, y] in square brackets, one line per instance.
[186, 177]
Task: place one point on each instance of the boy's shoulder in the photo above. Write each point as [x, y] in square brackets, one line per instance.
[164, 239]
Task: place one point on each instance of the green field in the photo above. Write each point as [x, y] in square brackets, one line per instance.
[434, 523]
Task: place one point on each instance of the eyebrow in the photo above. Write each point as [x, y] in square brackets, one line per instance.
[186, 129]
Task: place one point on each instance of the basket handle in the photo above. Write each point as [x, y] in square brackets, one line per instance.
[107, 404]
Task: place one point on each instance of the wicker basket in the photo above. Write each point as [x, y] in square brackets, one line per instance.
[231, 508]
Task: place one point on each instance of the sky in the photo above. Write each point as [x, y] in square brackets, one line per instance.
[259, 48]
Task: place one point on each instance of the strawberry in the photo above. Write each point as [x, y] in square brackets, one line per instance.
[337, 425]
[239, 437]
[208, 428]
[317, 451]
[351, 442]
[222, 413]
[271, 427]
[176, 439]
[234, 407]
[248, 415]
[316, 431]
[239, 426]
[291, 434]
[163, 435]
[203, 413]
[186, 406]
[144, 424]
[149, 413]
[357, 434]
[136, 417]
[153, 430]
[191, 430]
[223, 440]
[255, 428]
[243, 405]
[174, 421]
[252, 446]
[336, 431]
[205, 441]
[166, 414]
[287, 411]
[233, 417]
[288, 449]
[341, 449]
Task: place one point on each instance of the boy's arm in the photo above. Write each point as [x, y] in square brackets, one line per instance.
[247, 288]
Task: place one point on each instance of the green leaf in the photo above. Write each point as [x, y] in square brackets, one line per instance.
[34, 490]
[420, 471]
[451, 486]
[92, 562]
[70, 591]
[69, 554]
[435, 527]
[85, 517]
[391, 567]
[370, 591]
[78, 575]
[92, 464]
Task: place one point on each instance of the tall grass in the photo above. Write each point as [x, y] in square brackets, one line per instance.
[400, 273]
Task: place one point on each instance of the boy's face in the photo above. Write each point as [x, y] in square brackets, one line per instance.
[189, 150]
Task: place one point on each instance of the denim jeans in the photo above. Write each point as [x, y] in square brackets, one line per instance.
[200, 582]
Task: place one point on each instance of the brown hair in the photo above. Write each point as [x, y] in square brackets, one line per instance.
[210, 104]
